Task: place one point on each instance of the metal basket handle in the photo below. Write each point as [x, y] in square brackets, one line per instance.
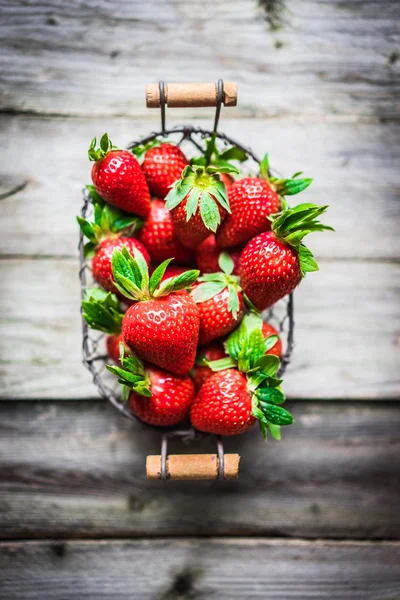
[192, 466]
[190, 95]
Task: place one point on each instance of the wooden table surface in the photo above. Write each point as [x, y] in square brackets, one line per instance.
[314, 516]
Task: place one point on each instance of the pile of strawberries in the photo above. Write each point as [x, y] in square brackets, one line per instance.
[186, 254]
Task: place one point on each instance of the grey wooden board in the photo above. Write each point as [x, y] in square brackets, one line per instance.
[347, 323]
[319, 59]
[77, 469]
[223, 569]
[355, 170]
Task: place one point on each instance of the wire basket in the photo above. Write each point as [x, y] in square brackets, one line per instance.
[192, 141]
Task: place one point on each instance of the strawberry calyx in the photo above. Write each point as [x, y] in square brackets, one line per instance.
[212, 284]
[204, 190]
[293, 224]
[212, 156]
[131, 277]
[108, 222]
[105, 146]
[131, 375]
[101, 311]
[246, 348]
[283, 187]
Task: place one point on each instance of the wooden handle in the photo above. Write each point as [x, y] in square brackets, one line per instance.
[193, 466]
[182, 95]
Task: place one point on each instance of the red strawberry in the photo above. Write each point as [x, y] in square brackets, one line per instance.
[162, 327]
[207, 255]
[105, 234]
[172, 396]
[101, 262]
[273, 263]
[253, 200]
[118, 178]
[198, 204]
[162, 166]
[159, 237]
[201, 371]
[102, 312]
[220, 302]
[231, 400]
[156, 397]
[223, 405]
[267, 331]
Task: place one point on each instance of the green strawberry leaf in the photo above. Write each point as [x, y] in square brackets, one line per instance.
[270, 395]
[87, 229]
[226, 263]
[222, 167]
[158, 274]
[102, 314]
[95, 197]
[233, 153]
[175, 284]
[276, 414]
[264, 168]
[267, 363]
[233, 301]
[290, 187]
[192, 203]
[89, 250]
[275, 431]
[132, 221]
[209, 212]
[206, 291]
[307, 261]
[221, 364]
[270, 342]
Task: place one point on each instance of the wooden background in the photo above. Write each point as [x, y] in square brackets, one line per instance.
[315, 516]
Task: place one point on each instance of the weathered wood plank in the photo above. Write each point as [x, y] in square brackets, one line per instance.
[347, 323]
[192, 568]
[355, 170]
[78, 469]
[319, 59]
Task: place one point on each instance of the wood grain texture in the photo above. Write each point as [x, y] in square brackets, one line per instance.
[323, 60]
[77, 469]
[347, 331]
[225, 569]
[355, 170]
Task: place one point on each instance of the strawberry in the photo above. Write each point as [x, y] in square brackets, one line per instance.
[198, 204]
[268, 331]
[159, 238]
[162, 166]
[220, 302]
[201, 371]
[207, 255]
[244, 387]
[102, 312]
[273, 263]
[105, 234]
[253, 200]
[155, 396]
[223, 405]
[101, 262]
[162, 327]
[118, 178]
